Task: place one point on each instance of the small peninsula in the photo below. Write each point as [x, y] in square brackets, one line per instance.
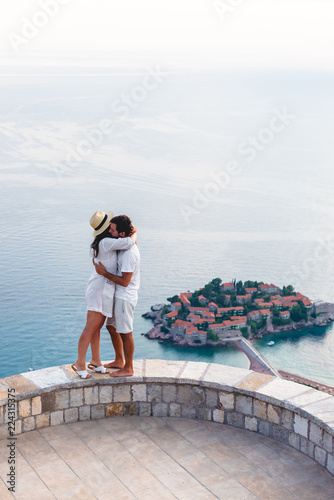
[221, 312]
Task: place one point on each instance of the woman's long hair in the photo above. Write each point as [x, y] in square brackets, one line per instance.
[95, 245]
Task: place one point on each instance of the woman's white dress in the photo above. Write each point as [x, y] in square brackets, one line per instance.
[100, 291]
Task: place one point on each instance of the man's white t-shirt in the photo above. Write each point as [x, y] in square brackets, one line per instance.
[129, 262]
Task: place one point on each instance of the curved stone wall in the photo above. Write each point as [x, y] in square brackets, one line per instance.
[289, 412]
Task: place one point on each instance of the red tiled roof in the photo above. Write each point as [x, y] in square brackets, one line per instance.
[226, 309]
[172, 314]
[181, 322]
[289, 298]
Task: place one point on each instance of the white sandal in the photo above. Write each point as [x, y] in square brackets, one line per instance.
[98, 369]
[82, 373]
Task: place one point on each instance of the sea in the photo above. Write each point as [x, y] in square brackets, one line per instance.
[225, 174]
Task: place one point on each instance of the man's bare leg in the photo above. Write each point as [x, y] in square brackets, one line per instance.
[118, 347]
[129, 347]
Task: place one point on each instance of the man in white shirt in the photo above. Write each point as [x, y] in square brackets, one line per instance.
[120, 326]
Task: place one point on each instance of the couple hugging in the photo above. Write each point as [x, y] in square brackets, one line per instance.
[112, 293]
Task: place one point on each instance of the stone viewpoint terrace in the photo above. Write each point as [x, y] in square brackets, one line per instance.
[174, 430]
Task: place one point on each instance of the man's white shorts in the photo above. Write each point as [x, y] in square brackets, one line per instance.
[122, 319]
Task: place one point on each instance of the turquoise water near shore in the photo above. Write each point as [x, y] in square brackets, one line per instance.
[267, 224]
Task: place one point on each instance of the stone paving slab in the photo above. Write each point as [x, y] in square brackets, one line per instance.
[148, 458]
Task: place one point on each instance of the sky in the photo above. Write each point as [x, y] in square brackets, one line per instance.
[238, 34]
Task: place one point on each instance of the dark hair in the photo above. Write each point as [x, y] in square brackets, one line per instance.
[123, 224]
[95, 245]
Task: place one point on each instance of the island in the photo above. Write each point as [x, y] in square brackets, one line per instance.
[221, 312]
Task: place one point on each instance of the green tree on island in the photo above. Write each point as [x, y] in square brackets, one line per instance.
[173, 299]
[288, 290]
[211, 335]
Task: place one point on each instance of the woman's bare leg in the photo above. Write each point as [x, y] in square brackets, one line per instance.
[118, 347]
[95, 347]
[95, 321]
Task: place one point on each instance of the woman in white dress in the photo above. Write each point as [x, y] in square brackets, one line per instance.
[99, 292]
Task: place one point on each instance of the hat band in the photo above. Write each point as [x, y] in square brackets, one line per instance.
[101, 224]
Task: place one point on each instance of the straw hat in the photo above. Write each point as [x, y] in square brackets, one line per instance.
[100, 221]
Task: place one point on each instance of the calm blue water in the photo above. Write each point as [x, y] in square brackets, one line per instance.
[266, 224]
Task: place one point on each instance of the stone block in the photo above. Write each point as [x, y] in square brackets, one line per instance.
[315, 434]
[62, 400]
[280, 433]
[106, 394]
[36, 405]
[42, 420]
[287, 419]
[2, 414]
[159, 409]
[184, 394]
[330, 463]
[207, 414]
[48, 402]
[12, 412]
[130, 409]
[139, 392]
[320, 455]
[76, 397]
[328, 442]
[122, 393]
[91, 395]
[264, 427]
[145, 409]
[301, 426]
[71, 415]
[113, 409]
[226, 401]
[218, 416]
[244, 404]
[98, 411]
[188, 411]
[294, 440]
[274, 414]
[251, 423]
[18, 427]
[4, 431]
[260, 409]
[174, 410]
[306, 447]
[84, 413]
[199, 396]
[25, 408]
[236, 419]
[57, 417]
[211, 398]
[28, 424]
[169, 393]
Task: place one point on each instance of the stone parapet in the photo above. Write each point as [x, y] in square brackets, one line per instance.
[295, 414]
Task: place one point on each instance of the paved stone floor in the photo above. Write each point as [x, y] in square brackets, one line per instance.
[159, 458]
